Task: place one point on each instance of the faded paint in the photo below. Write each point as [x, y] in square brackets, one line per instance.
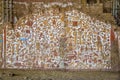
[1, 49]
[55, 40]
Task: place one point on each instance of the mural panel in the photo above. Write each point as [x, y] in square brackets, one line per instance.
[90, 41]
[56, 40]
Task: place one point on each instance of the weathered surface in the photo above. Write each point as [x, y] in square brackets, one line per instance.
[64, 75]
[57, 75]
[1, 37]
[23, 8]
[54, 39]
[0, 14]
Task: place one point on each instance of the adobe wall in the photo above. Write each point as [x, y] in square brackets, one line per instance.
[23, 9]
[94, 10]
[0, 13]
[1, 49]
[57, 40]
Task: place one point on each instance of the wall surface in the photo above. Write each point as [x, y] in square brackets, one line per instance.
[58, 39]
[0, 13]
[94, 10]
[1, 48]
[22, 9]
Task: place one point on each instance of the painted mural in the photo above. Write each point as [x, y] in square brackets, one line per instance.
[54, 39]
[1, 49]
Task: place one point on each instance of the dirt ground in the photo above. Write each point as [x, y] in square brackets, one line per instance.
[57, 75]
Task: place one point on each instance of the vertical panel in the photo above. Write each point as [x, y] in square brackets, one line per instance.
[119, 45]
[1, 49]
